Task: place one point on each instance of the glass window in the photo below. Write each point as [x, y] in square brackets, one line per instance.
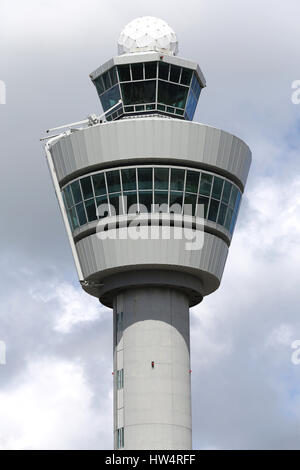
[145, 201]
[139, 92]
[213, 210]
[113, 181]
[161, 107]
[217, 187]
[161, 199]
[90, 210]
[145, 178]
[228, 218]
[226, 192]
[232, 223]
[205, 184]
[102, 206]
[68, 197]
[222, 214]
[161, 178]
[175, 73]
[202, 201]
[106, 80]
[163, 71]
[86, 186]
[120, 379]
[233, 196]
[115, 200]
[76, 191]
[140, 108]
[137, 71]
[176, 202]
[192, 181]
[150, 69]
[81, 214]
[124, 73]
[110, 98]
[186, 76]
[179, 112]
[72, 216]
[172, 95]
[150, 106]
[130, 202]
[99, 85]
[170, 110]
[120, 438]
[177, 179]
[190, 204]
[191, 106]
[237, 202]
[99, 184]
[129, 179]
[113, 76]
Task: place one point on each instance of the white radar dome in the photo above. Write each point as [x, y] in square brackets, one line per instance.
[147, 33]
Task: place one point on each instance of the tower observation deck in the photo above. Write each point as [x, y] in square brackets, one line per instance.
[150, 200]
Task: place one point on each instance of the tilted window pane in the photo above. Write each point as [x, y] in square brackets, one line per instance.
[129, 179]
[192, 181]
[102, 206]
[171, 94]
[113, 75]
[161, 178]
[190, 204]
[106, 80]
[226, 192]
[73, 218]
[163, 71]
[116, 201]
[205, 184]
[232, 223]
[213, 210]
[145, 178]
[145, 201]
[99, 85]
[191, 106]
[228, 218]
[176, 202]
[222, 214]
[124, 73]
[86, 186]
[177, 179]
[113, 181]
[139, 92]
[175, 73]
[161, 199]
[110, 97]
[137, 71]
[237, 202]
[76, 191]
[99, 184]
[233, 196]
[90, 210]
[202, 201]
[217, 187]
[186, 76]
[81, 214]
[150, 69]
[68, 197]
[130, 203]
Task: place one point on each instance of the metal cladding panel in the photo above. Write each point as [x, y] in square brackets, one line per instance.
[150, 138]
[99, 258]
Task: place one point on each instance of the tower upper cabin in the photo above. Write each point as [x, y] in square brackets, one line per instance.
[147, 76]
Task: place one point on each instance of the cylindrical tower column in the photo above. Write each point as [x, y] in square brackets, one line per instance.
[152, 381]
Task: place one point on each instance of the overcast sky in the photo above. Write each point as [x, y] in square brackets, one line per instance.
[56, 388]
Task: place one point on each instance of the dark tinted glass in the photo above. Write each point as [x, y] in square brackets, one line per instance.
[190, 204]
[150, 69]
[124, 73]
[202, 201]
[233, 196]
[228, 218]
[145, 178]
[110, 97]
[145, 199]
[139, 92]
[76, 191]
[161, 198]
[99, 85]
[176, 201]
[222, 214]
[192, 181]
[86, 186]
[128, 179]
[106, 80]
[161, 178]
[163, 71]
[116, 202]
[68, 197]
[172, 95]
[213, 210]
[177, 179]
[226, 192]
[90, 210]
[137, 71]
[174, 73]
[113, 181]
[217, 187]
[113, 76]
[81, 214]
[186, 76]
[73, 218]
[102, 206]
[130, 202]
[205, 184]
[99, 184]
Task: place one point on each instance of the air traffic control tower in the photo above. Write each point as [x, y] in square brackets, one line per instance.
[150, 201]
